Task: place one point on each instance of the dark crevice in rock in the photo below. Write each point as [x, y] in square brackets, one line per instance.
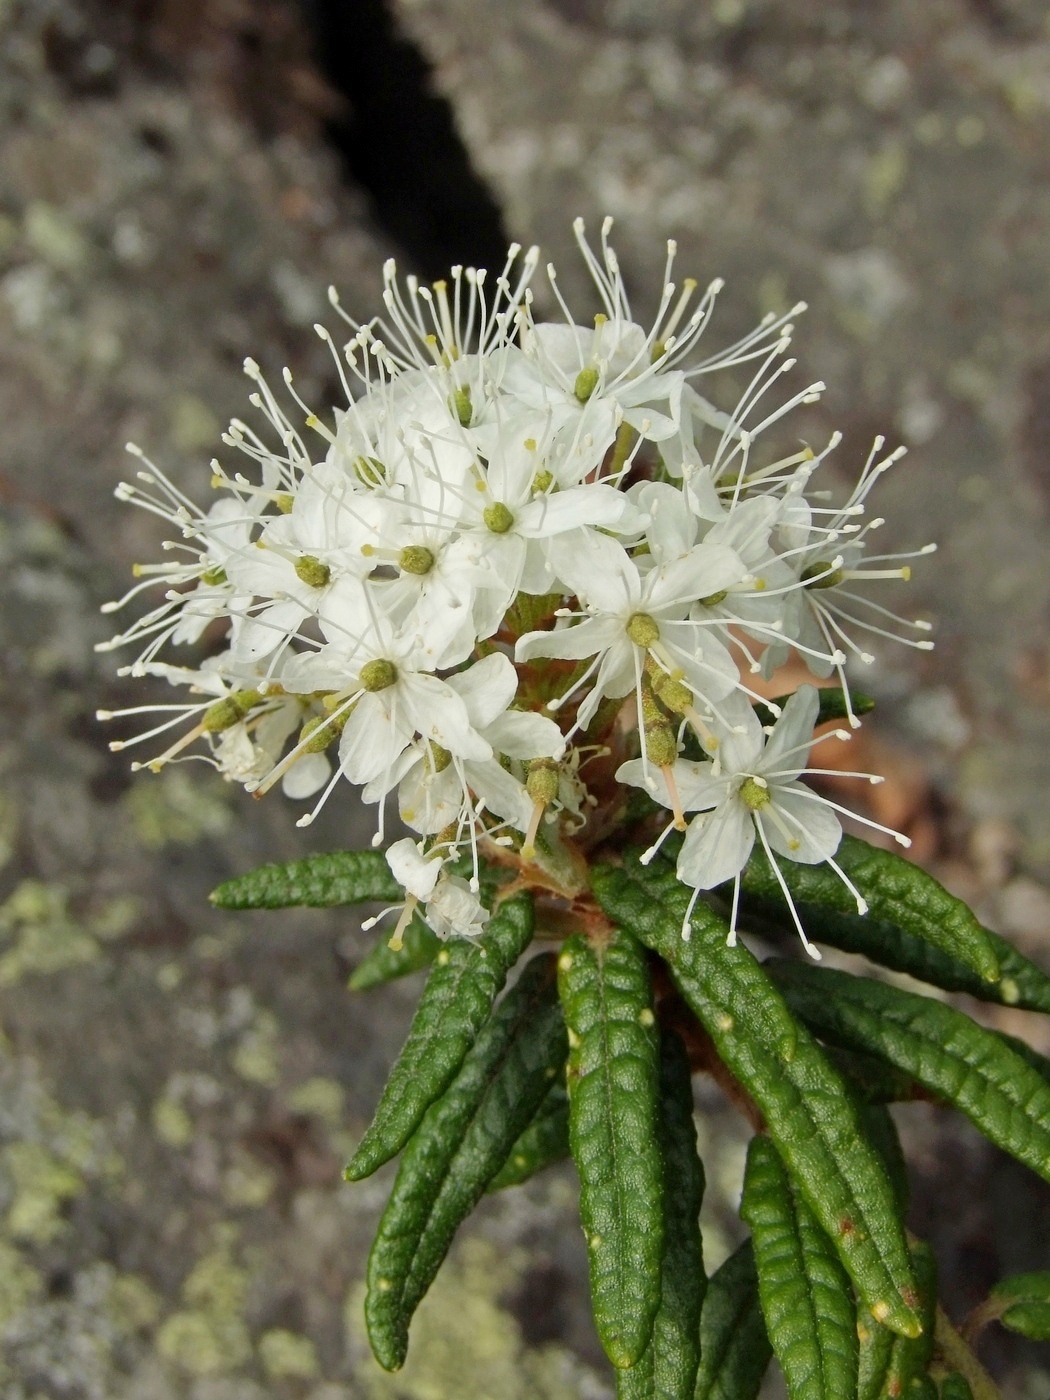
[399, 141]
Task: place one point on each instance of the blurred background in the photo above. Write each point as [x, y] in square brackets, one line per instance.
[180, 180]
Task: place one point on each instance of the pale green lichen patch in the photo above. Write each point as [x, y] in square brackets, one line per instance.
[39, 935]
[42, 1184]
[256, 1055]
[464, 1343]
[173, 809]
[172, 1124]
[210, 1336]
[20, 1284]
[320, 1098]
[285, 1353]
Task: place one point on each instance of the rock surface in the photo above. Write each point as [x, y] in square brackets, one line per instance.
[178, 1087]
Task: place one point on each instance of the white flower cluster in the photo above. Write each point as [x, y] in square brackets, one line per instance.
[520, 548]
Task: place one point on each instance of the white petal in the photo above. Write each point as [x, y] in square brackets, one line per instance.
[372, 741]
[794, 727]
[486, 688]
[716, 846]
[411, 870]
[586, 638]
[501, 792]
[524, 734]
[306, 776]
[819, 833]
[438, 713]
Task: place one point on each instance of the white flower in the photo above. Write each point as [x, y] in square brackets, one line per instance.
[752, 791]
[631, 615]
[452, 908]
[438, 789]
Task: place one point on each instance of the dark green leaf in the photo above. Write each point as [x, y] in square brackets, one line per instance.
[874, 1081]
[734, 1347]
[875, 1347]
[319, 882]
[419, 948]
[462, 1142]
[810, 1115]
[944, 1050]
[613, 1122]
[898, 894]
[466, 978]
[544, 1141]
[667, 1368]
[882, 1133]
[910, 1356]
[1029, 1305]
[955, 1387]
[832, 705]
[805, 1292]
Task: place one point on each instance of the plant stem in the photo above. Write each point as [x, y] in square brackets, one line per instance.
[959, 1357]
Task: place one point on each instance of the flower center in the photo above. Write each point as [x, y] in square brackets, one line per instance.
[463, 406]
[378, 675]
[754, 794]
[214, 576]
[541, 481]
[369, 471]
[415, 559]
[439, 758]
[498, 518]
[642, 629]
[311, 571]
[586, 383]
[821, 575]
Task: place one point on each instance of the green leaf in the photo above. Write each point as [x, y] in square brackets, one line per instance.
[467, 976]
[612, 1080]
[882, 1133]
[944, 1050]
[874, 1081]
[1028, 1313]
[875, 1348]
[462, 1142]
[419, 948]
[734, 1347]
[910, 1356]
[544, 1141]
[809, 1113]
[668, 1367]
[955, 1387]
[898, 894]
[319, 882]
[805, 1292]
[832, 705]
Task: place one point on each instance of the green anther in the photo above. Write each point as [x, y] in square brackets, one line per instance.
[642, 629]
[713, 599]
[754, 795]
[230, 710]
[415, 559]
[438, 758]
[498, 518]
[214, 576]
[315, 739]
[661, 747]
[369, 471]
[821, 576]
[651, 711]
[586, 383]
[542, 781]
[677, 697]
[221, 715]
[284, 503]
[463, 406]
[378, 675]
[312, 571]
[541, 481]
